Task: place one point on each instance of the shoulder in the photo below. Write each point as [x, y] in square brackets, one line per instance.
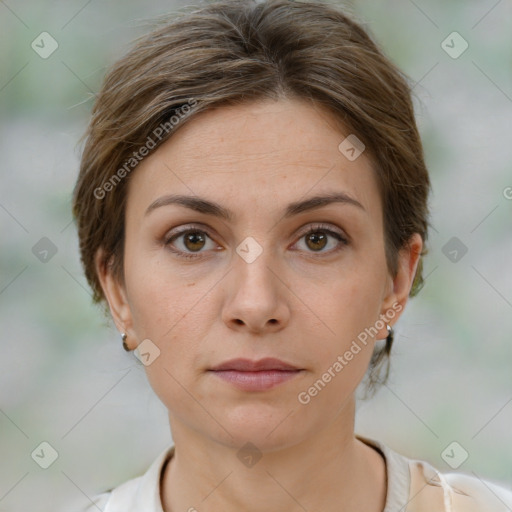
[98, 502]
[456, 492]
[414, 484]
[120, 498]
[136, 495]
[484, 494]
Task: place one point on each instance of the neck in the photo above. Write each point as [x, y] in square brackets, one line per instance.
[329, 471]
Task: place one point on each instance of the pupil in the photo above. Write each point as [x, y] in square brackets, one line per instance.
[315, 238]
[194, 238]
[197, 238]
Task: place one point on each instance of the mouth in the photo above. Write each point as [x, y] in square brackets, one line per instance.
[259, 375]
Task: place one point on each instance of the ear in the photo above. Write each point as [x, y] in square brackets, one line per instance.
[400, 286]
[115, 293]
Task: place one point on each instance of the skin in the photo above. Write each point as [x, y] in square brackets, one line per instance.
[300, 301]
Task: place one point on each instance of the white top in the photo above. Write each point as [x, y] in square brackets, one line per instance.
[412, 486]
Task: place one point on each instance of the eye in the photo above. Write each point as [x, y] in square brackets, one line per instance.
[193, 240]
[316, 238]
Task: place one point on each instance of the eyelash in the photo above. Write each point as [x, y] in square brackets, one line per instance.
[312, 229]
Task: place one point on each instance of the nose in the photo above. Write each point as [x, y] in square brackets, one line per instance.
[256, 296]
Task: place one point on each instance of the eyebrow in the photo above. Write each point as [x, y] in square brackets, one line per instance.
[208, 207]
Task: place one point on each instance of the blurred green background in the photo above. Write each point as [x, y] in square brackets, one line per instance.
[64, 376]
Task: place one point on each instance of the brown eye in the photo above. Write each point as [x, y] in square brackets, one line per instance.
[318, 237]
[194, 241]
[189, 243]
[316, 241]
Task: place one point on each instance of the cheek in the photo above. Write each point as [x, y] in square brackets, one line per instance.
[169, 309]
[343, 355]
[354, 296]
[157, 298]
[350, 308]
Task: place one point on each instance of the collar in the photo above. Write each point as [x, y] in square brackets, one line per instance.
[397, 474]
[410, 483]
[142, 494]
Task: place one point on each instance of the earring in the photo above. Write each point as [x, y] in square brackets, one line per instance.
[124, 336]
[391, 334]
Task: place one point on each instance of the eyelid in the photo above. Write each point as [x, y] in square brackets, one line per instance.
[303, 231]
[313, 227]
[320, 226]
[183, 228]
[173, 234]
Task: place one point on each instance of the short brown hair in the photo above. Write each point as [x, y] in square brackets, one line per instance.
[233, 51]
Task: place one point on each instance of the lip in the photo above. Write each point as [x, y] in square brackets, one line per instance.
[247, 365]
[259, 375]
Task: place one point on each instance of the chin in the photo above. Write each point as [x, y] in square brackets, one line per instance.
[267, 427]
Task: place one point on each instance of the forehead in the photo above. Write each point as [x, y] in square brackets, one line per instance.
[260, 154]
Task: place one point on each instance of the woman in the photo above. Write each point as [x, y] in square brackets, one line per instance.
[252, 205]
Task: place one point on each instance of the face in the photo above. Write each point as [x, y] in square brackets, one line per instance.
[246, 265]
